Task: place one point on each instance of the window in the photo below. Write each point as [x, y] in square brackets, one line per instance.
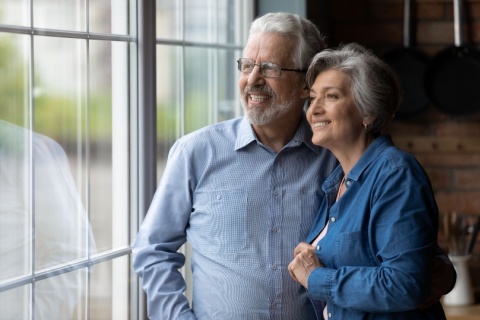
[71, 147]
[65, 162]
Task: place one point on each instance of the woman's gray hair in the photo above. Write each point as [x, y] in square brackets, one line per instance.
[308, 39]
[375, 85]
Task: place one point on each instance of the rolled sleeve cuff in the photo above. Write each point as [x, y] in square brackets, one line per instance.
[320, 282]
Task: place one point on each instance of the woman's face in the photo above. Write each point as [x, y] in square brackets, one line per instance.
[335, 119]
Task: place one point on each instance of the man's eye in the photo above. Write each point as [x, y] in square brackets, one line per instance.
[268, 66]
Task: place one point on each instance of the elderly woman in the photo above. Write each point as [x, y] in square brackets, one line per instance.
[369, 253]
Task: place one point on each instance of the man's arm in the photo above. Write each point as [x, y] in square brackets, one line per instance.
[155, 252]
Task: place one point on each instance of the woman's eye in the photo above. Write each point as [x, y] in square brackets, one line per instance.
[331, 96]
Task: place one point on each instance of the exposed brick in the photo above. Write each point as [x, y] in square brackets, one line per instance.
[467, 128]
[440, 33]
[466, 202]
[453, 161]
[428, 11]
[440, 178]
[386, 11]
[466, 179]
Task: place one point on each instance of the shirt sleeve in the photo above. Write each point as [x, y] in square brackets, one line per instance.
[401, 241]
[155, 251]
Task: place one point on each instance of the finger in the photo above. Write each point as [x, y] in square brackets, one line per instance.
[292, 272]
[301, 247]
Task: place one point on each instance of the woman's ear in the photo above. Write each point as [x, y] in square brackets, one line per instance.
[305, 92]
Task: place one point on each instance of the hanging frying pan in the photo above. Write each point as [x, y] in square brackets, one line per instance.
[410, 65]
[452, 78]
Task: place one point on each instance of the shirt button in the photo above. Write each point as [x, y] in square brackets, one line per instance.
[274, 230]
[275, 192]
[318, 248]
[348, 183]
[273, 305]
[219, 197]
[274, 267]
[333, 219]
[329, 314]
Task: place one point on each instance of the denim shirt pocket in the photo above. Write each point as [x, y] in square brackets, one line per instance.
[352, 249]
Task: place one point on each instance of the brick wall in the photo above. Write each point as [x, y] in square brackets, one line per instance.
[448, 146]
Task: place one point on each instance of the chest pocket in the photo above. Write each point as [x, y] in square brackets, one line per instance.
[352, 249]
[218, 224]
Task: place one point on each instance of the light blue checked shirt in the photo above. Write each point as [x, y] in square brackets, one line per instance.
[243, 208]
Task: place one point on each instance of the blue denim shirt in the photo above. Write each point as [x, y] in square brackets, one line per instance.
[381, 238]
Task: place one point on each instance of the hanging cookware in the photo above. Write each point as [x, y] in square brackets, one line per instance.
[410, 65]
[452, 79]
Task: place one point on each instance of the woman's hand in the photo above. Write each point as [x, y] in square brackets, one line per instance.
[303, 263]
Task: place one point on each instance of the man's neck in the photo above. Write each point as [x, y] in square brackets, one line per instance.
[278, 133]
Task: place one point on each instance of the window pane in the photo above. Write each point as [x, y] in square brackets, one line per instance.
[231, 26]
[14, 12]
[59, 14]
[15, 164]
[61, 297]
[15, 78]
[199, 20]
[108, 16]
[228, 99]
[15, 201]
[109, 289]
[169, 103]
[169, 19]
[60, 217]
[109, 144]
[198, 88]
[15, 303]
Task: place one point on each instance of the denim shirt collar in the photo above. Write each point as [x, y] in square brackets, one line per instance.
[372, 152]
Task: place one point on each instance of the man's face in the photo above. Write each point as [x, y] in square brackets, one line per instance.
[266, 99]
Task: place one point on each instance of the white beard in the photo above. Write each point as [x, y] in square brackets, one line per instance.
[261, 116]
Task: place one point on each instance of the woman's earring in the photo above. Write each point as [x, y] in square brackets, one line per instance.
[365, 126]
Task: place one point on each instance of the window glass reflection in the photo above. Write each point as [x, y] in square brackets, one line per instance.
[227, 99]
[108, 143]
[169, 101]
[198, 88]
[169, 19]
[15, 303]
[108, 16]
[14, 12]
[61, 297]
[59, 14]
[109, 289]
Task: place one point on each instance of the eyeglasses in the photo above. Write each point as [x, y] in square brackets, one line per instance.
[267, 69]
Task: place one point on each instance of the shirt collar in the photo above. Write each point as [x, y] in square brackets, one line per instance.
[246, 135]
[369, 156]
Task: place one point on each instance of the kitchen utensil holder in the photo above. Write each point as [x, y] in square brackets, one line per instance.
[462, 292]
